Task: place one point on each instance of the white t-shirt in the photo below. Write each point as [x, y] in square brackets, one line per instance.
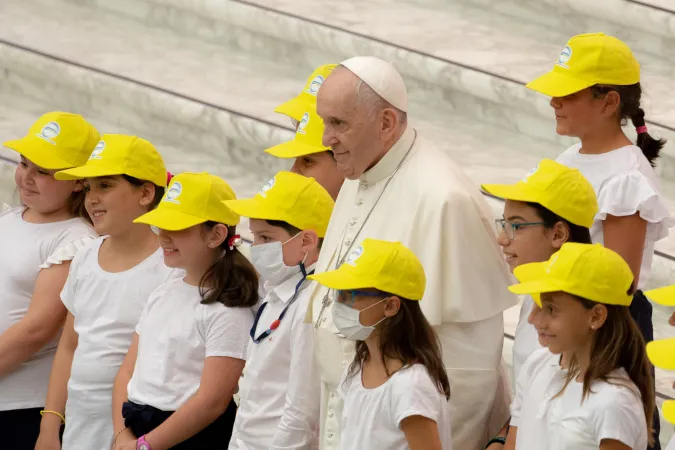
[176, 333]
[610, 411]
[106, 307]
[526, 339]
[624, 183]
[279, 392]
[371, 418]
[26, 246]
[671, 444]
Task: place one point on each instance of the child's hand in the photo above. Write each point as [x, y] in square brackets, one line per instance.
[125, 441]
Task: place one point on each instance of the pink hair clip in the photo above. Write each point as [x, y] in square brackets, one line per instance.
[235, 241]
[169, 176]
[642, 129]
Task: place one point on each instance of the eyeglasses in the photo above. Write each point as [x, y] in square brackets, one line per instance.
[510, 228]
[347, 297]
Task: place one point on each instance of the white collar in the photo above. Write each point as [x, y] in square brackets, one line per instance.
[391, 159]
[285, 291]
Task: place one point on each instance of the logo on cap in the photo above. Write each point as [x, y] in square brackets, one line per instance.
[529, 174]
[303, 124]
[552, 262]
[315, 85]
[96, 153]
[173, 193]
[564, 57]
[269, 185]
[354, 255]
[49, 132]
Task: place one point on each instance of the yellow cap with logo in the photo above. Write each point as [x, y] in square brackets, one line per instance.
[589, 271]
[560, 189]
[662, 354]
[386, 266]
[308, 137]
[291, 198]
[57, 140]
[297, 106]
[663, 295]
[587, 60]
[192, 199]
[119, 154]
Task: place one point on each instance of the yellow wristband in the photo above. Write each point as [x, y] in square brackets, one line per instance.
[44, 411]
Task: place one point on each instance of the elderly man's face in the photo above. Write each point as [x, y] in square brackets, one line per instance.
[349, 132]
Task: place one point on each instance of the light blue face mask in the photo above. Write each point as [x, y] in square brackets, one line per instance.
[347, 320]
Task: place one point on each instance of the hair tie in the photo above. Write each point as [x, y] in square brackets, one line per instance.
[641, 130]
[234, 241]
[169, 176]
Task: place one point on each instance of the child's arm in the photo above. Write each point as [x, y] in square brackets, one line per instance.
[41, 323]
[511, 439]
[123, 434]
[218, 383]
[299, 421]
[611, 444]
[616, 232]
[57, 394]
[421, 433]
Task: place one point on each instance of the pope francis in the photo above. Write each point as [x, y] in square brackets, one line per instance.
[399, 187]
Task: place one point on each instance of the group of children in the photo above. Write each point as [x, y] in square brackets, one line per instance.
[162, 320]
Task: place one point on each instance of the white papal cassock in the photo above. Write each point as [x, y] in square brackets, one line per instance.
[433, 208]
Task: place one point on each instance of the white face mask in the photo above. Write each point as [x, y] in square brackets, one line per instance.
[268, 260]
[346, 320]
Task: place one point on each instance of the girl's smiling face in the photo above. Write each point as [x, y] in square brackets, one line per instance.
[40, 191]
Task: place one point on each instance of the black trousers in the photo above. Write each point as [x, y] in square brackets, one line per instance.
[641, 312]
[142, 419]
[20, 428]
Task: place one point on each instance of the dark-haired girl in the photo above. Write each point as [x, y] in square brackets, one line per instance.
[175, 387]
[396, 389]
[109, 283]
[595, 89]
[604, 396]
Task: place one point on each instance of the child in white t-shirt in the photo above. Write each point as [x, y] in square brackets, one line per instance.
[604, 395]
[38, 241]
[107, 288]
[279, 392]
[396, 390]
[175, 387]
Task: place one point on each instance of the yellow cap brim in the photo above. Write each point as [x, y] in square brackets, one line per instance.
[663, 296]
[556, 84]
[294, 108]
[668, 410]
[293, 149]
[86, 171]
[38, 152]
[169, 219]
[253, 209]
[535, 287]
[510, 192]
[340, 280]
[662, 353]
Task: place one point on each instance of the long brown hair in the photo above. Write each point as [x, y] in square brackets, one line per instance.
[618, 343]
[231, 280]
[409, 338]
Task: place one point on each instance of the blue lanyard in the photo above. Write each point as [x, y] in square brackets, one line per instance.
[277, 322]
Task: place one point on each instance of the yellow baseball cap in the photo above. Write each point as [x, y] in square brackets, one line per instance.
[662, 354]
[296, 107]
[119, 154]
[57, 140]
[308, 137]
[589, 271]
[558, 188]
[191, 199]
[663, 296]
[291, 198]
[386, 266]
[587, 60]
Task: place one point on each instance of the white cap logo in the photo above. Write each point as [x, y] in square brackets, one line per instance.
[551, 263]
[269, 185]
[96, 153]
[529, 174]
[564, 57]
[49, 132]
[303, 124]
[315, 85]
[173, 193]
[354, 255]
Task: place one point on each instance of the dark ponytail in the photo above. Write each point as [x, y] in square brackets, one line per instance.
[232, 280]
[629, 108]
